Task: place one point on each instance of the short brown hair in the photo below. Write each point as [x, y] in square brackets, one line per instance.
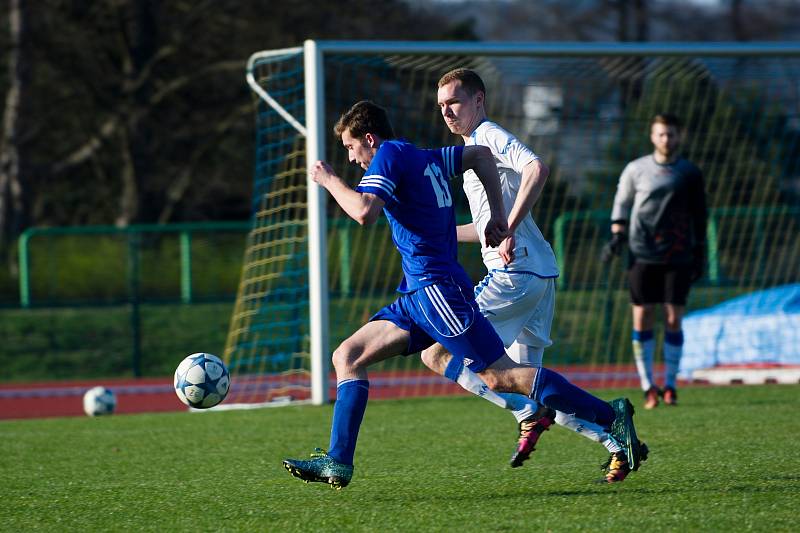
[365, 117]
[470, 81]
[666, 119]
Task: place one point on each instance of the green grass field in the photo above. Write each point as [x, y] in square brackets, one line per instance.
[726, 459]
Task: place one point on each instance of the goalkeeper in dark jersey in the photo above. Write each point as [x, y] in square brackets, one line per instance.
[660, 211]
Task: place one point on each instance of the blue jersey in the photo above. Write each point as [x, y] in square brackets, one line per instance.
[415, 185]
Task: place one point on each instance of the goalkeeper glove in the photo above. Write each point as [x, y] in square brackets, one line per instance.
[613, 247]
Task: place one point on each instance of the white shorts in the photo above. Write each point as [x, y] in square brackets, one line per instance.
[520, 306]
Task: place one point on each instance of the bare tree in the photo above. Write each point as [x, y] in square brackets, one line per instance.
[128, 137]
[139, 110]
[12, 159]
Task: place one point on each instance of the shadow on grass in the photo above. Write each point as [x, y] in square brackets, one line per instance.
[465, 491]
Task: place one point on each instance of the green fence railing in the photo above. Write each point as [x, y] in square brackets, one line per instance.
[759, 214]
[134, 236]
[342, 228]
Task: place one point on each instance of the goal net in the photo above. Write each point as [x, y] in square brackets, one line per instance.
[312, 276]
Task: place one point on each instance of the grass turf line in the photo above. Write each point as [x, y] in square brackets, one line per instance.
[721, 460]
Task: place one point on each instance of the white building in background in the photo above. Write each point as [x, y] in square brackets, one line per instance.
[541, 105]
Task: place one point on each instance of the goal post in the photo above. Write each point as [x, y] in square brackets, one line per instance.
[311, 277]
[317, 226]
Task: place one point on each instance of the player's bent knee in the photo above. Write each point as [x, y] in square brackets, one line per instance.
[344, 357]
[427, 358]
[338, 359]
[435, 359]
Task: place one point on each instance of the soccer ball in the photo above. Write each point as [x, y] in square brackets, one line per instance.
[202, 380]
[99, 401]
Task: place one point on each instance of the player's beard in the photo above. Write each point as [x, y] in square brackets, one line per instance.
[667, 152]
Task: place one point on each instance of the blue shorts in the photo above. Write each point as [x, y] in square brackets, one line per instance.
[446, 313]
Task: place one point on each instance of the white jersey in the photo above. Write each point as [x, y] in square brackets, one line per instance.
[532, 253]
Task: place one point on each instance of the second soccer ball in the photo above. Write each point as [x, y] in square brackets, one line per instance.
[99, 401]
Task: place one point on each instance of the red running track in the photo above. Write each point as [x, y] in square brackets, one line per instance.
[151, 395]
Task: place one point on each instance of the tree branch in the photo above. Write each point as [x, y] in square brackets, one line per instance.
[88, 148]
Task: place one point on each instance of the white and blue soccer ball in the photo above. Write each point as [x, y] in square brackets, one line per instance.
[99, 401]
[202, 380]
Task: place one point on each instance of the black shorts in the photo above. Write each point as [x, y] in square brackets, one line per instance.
[655, 284]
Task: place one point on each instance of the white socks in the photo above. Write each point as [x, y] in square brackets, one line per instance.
[470, 381]
[611, 444]
[523, 407]
[520, 405]
[643, 351]
[590, 430]
[644, 346]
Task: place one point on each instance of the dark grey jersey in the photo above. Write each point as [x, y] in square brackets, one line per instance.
[664, 207]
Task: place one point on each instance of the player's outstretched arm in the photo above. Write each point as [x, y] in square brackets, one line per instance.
[364, 208]
[480, 159]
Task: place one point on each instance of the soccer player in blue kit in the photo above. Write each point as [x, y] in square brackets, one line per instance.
[436, 303]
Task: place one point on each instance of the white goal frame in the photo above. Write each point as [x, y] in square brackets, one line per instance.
[314, 131]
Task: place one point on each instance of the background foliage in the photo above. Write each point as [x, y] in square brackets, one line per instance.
[137, 111]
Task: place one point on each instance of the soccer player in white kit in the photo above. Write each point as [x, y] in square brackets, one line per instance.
[518, 293]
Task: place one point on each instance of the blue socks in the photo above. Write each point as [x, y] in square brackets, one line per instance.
[673, 350]
[642, 336]
[674, 338]
[551, 389]
[348, 412]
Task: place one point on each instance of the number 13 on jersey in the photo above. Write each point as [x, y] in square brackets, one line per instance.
[440, 185]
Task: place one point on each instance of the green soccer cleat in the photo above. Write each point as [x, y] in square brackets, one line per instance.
[321, 468]
[624, 432]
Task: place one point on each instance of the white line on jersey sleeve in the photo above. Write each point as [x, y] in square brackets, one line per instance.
[379, 182]
[448, 156]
